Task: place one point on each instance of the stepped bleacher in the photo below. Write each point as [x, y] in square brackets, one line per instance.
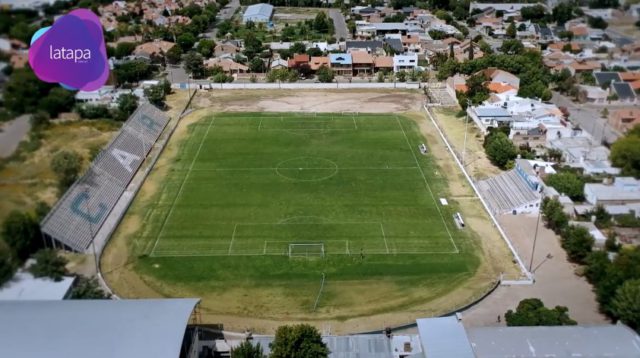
[507, 192]
[78, 215]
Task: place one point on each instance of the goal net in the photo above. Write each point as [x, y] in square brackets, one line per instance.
[306, 250]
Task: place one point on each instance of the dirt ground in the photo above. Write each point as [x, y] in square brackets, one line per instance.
[369, 101]
[118, 271]
[555, 280]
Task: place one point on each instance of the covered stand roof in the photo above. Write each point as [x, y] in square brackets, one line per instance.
[94, 328]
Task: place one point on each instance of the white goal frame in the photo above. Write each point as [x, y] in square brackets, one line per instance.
[306, 253]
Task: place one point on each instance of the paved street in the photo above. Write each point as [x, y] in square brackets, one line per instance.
[588, 117]
[225, 14]
[339, 24]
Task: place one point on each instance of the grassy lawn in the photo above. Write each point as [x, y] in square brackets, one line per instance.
[354, 190]
[26, 176]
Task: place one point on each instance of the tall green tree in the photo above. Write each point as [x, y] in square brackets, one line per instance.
[532, 312]
[24, 91]
[625, 153]
[500, 150]
[626, 303]
[298, 341]
[247, 350]
[205, 47]
[554, 215]
[87, 289]
[511, 30]
[124, 49]
[568, 184]
[174, 55]
[57, 101]
[66, 165]
[48, 264]
[186, 41]
[577, 242]
[194, 64]
[21, 233]
[127, 104]
[7, 263]
[325, 74]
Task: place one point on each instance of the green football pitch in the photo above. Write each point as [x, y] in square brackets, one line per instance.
[303, 216]
[252, 184]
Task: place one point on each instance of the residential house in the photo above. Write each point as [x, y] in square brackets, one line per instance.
[624, 92]
[405, 62]
[598, 238]
[318, 61]
[579, 151]
[534, 138]
[456, 83]
[624, 119]
[383, 63]
[580, 32]
[411, 43]
[374, 47]
[615, 191]
[298, 60]
[462, 50]
[153, 49]
[279, 63]
[341, 63]
[227, 65]
[363, 63]
[592, 94]
[226, 48]
[501, 76]
[103, 95]
[486, 117]
[258, 13]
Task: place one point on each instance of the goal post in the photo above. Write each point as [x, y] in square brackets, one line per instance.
[306, 250]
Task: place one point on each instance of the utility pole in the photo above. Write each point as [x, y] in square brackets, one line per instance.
[535, 235]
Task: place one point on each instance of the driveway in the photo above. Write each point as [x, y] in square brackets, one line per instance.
[12, 133]
[339, 24]
[555, 280]
[588, 117]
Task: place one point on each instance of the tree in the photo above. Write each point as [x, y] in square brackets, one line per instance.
[567, 183]
[21, 232]
[554, 215]
[205, 47]
[625, 153]
[7, 264]
[597, 22]
[256, 65]
[66, 165]
[124, 49]
[22, 31]
[88, 289]
[298, 47]
[298, 341]
[58, 100]
[477, 90]
[597, 263]
[127, 104]
[24, 90]
[49, 264]
[532, 312]
[174, 55]
[512, 47]
[40, 120]
[321, 23]
[563, 12]
[626, 303]
[325, 74]
[155, 94]
[511, 30]
[533, 13]
[401, 76]
[247, 350]
[604, 4]
[501, 150]
[577, 242]
[194, 64]
[132, 71]
[186, 41]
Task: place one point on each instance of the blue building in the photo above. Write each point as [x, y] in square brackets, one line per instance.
[258, 13]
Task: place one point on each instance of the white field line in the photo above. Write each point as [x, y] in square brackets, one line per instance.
[282, 168]
[384, 237]
[184, 180]
[354, 122]
[233, 237]
[435, 202]
[202, 253]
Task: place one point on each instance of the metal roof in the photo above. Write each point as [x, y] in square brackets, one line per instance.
[491, 112]
[624, 90]
[258, 10]
[371, 45]
[444, 337]
[606, 77]
[23, 286]
[614, 341]
[341, 58]
[94, 328]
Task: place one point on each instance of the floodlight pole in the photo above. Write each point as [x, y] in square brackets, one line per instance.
[535, 235]
[466, 124]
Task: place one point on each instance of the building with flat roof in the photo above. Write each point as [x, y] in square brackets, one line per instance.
[23, 286]
[98, 328]
[623, 190]
[258, 13]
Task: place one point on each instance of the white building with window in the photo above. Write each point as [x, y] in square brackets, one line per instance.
[405, 62]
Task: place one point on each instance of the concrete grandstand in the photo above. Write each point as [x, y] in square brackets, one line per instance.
[78, 215]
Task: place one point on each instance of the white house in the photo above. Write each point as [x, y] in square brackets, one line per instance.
[619, 191]
[405, 62]
[104, 95]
